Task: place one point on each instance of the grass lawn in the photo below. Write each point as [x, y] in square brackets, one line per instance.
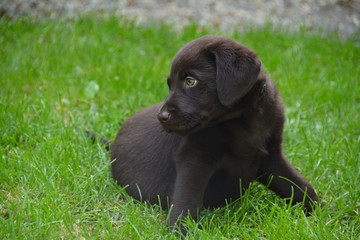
[58, 78]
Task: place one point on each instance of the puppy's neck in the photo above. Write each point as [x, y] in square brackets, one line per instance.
[262, 94]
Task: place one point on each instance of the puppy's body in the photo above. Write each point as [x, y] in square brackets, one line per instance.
[144, 155]
[221, 123]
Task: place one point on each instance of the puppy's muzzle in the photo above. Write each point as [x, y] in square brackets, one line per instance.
[164, 116]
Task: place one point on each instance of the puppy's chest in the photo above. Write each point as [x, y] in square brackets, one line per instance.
[249, 141]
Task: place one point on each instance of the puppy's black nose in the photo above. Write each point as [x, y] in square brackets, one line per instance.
[164, 116]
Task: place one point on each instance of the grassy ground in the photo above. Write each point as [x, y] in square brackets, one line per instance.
[58, 78]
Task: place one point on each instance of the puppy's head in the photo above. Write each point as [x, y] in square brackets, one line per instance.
[208, 76]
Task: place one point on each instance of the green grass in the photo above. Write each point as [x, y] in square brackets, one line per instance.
[58, 78]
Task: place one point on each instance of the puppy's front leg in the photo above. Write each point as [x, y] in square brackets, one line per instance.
[193, 173]
[286, 181]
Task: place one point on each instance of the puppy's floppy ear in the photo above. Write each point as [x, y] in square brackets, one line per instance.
[237, 69]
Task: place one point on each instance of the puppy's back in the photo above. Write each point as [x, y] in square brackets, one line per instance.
[143, 156]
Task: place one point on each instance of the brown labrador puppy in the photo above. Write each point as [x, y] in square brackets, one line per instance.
[221, 122]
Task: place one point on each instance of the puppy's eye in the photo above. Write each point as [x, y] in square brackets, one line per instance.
[190, 82]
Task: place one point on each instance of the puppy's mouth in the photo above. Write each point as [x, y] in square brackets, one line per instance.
[189, 125]
[183, 131]
[186, 127]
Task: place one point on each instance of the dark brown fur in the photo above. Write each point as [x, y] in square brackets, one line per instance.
[195, 146]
